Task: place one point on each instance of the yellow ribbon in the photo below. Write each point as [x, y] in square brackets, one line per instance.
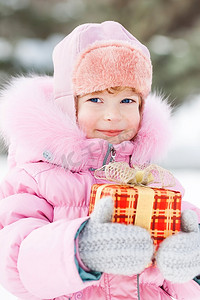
[122, 173]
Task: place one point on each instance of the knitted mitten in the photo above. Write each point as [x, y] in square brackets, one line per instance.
[178, 256]
[112, 247]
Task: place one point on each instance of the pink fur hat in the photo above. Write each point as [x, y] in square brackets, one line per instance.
[97, 56]
[114, 63]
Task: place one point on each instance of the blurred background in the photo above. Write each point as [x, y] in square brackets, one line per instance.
[29, 30]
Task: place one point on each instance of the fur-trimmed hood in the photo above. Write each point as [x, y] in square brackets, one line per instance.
[37, 129]
[38, 117]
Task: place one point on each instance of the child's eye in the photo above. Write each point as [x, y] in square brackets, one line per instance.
[95, 100]
[127, 100]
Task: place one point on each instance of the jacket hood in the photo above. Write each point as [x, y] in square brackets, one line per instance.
[94, 57]
[37, 129]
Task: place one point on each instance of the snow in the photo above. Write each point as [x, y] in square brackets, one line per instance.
[163, 45]
[185, 147]
[5, 49]
[36, 53]
[15, 4]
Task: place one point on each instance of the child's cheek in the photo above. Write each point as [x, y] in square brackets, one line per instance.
[135, 127]
[84, 124]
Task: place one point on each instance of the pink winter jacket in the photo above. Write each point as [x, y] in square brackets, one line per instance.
[45, 196]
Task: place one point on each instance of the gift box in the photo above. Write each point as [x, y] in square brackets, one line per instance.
[156, 209]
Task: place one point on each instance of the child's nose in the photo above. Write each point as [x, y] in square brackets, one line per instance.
[112, 114]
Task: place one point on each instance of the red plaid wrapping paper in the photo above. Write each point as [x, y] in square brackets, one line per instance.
[157, 210]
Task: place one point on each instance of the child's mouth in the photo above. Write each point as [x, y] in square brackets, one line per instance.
[110, 132]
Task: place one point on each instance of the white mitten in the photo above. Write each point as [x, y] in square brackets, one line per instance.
[111, 247]
[178, 257]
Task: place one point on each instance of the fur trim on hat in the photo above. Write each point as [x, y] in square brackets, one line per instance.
[111, 64]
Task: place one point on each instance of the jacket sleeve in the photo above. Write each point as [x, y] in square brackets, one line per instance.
[188, 205]
[183, 291]
[37, 253]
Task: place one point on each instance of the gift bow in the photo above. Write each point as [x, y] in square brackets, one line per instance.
[122, 173]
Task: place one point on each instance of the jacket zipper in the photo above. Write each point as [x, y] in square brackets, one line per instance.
[138, 287]
[113, 154]
[110, 151]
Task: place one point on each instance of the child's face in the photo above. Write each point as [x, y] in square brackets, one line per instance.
[112, 117]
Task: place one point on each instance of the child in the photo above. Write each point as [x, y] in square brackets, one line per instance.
[96, 109]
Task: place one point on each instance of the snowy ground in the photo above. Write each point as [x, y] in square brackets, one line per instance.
[189, 178]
